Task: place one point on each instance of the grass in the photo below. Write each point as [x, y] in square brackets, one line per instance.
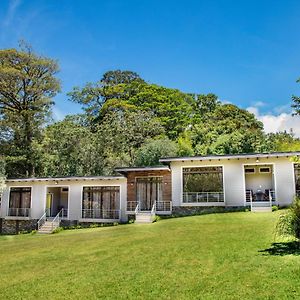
[217, 256]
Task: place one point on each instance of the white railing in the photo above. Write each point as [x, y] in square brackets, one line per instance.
[100, 214]
[56, 221]
[163, 206]
[19, 212]
[203, 197]
[153, 211]
[249, 197]
[42, 219]
[270, 196]
[131, 205]
[137, 209]
[64, 212]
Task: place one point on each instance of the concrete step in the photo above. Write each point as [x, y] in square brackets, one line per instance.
[261, 209]
[143, 218]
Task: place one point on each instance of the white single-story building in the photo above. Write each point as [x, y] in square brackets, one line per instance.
[182, 185]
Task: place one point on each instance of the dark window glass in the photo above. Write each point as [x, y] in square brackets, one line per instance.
[203, 179]
[20, 197]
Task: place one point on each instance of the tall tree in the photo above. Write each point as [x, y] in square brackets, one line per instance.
[114, 85]
[27, 86]
[227, 130]
[296, 102]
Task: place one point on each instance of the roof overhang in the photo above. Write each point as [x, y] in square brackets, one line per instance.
[71, 178]
[229, 157]
[141, 169]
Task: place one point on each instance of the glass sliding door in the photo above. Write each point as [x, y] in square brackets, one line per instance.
[101, 202]
[148, 191]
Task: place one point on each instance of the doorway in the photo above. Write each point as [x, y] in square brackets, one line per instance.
[148, 191]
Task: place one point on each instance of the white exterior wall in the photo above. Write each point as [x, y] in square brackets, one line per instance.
[234, 179]
[39, 190]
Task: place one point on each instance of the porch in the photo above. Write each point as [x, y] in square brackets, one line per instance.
[159, 207]
[57, 201]
[260, 187]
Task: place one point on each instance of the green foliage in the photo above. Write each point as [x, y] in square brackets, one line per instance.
[58, 230]
[27, 86]
[152, 150]
[281, 141]
[296, 103]
[227, 130]
[289, 222]
[69, 148]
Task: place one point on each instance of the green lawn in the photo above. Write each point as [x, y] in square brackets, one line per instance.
[218, 256]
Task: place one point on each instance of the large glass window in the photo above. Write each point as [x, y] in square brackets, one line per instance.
[203, 184]
[297, 178]
[19, 201]
[101, 202]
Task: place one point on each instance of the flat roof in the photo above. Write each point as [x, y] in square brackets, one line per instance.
[140, 169]
[67, 178]
[230, 156]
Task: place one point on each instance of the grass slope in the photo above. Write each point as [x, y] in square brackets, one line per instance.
[205, 257]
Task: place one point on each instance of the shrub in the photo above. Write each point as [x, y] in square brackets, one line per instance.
[58, 229]
[289, 223]
[274, 207]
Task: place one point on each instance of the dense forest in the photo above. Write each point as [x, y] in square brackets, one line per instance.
[125, 121]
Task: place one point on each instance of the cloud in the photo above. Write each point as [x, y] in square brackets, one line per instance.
[58, 115]
[275, 122]
[11, 11]
[259, 104]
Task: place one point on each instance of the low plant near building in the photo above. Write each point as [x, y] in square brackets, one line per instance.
[289, 222]
[58, 229]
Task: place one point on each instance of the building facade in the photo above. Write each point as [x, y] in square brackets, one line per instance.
[182, 185]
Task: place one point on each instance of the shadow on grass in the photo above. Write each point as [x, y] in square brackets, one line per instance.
[281, 249]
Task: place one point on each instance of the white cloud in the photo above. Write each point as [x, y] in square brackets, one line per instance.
[10, 14]
[259, 104]
[277, 122]
[58, 115]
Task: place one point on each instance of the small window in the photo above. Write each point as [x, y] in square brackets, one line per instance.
[264, 170]
[249, 170]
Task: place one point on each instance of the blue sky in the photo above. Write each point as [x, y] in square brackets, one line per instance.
[246, 52]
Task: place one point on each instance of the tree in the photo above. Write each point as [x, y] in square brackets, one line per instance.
[126, 91]
[69, 148]
[152, 150]
[296, 103]
[281, 141]
[289, 222]
[205, 104]
[227, 130]
[114, 85]
[123, 133]
[27, 86]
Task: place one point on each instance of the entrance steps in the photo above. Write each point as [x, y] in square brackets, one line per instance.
[48, 227]
[261, 206]
[143, 217]
[261, 209]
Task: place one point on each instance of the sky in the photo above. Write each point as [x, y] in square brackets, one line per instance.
[246, 52]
